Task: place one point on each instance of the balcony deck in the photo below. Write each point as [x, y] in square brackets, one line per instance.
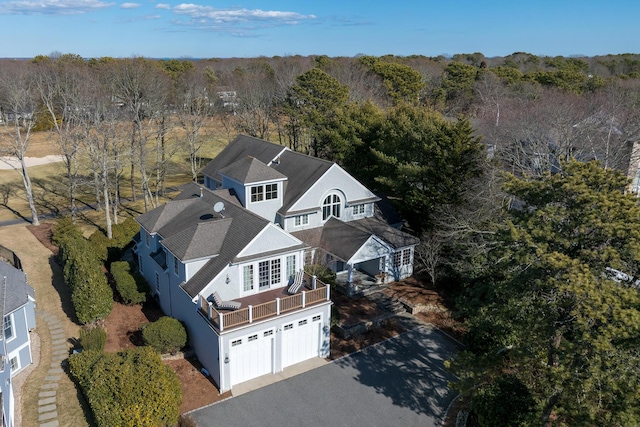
[265, 305]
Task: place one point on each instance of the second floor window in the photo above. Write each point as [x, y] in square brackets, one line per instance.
[331, 206]
[358, 209]
[301, 220]
[271, 191]
[247, 278]
[175, 265]
[257, 193]
[291, 266]
[8, 328]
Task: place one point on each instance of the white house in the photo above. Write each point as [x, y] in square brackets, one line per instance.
[17, 304]
[243, 240]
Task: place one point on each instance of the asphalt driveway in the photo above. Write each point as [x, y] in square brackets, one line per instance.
[401, 381]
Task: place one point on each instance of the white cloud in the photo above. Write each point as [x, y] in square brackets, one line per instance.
[51, 7]
[235, 20]
[163, 6]
[129, 5]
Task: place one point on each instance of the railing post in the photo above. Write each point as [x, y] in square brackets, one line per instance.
[304, 295]
[313, 282]
[328, 292]
[220, 317]
[250, 307]
[278, 306]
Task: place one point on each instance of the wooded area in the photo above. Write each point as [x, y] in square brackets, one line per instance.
[518, 174]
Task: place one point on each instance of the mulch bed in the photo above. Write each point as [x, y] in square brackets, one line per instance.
[44, 234]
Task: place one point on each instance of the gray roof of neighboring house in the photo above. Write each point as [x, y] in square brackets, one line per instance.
[344, 239]
[191, 229]
[242, 146]
[301, 170]
[18, 291]
[249, 170]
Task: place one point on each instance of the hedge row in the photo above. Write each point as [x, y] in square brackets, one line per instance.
[109, 250]
[131, 286]
[128, 388]
[91, 295]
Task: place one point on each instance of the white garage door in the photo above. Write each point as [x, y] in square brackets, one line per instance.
[251, 356]
[300, 340]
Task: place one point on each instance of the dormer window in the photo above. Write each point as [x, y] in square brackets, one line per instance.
[257, 193]
[358, 209]
[271, 191]
[264, 192]
[331, 206]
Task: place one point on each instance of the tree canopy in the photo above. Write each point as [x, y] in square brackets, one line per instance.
[548, 316]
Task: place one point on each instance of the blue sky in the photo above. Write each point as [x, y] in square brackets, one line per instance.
[246, 28]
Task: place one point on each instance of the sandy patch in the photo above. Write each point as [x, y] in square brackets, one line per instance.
[7, 163]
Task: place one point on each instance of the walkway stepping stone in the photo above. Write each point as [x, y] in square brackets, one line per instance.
[50, 385]
[47, 393]
[47, 401]
[53, 423]
[47, 408]
[56, 370]
[48, 416]
[52, 378]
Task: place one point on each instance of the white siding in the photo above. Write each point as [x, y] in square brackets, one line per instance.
[271, 238]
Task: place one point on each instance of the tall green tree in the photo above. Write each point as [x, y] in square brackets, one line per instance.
[423, 160]
[314, 105]
[549, 315]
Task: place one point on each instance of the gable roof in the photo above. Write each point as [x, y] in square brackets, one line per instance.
[17, 290]
[242, 146]
[249, 170]
[344, 239]
[303, 171]
[191, 229]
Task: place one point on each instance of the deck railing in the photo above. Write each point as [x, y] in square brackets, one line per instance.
[223, 320]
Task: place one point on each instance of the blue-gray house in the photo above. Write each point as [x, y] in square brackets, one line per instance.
[17, 306]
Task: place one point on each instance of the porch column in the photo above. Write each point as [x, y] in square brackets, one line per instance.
[350, 273]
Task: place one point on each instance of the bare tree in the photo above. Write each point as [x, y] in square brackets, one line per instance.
[61, 83]
[18, 104]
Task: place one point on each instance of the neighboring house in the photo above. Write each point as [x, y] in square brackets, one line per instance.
[18, 312]
[243, 240]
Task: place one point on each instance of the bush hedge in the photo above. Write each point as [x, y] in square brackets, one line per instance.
[93, 338]
[324, 274]
[122, 234]
[128, 388]
[167, 335]
[90, 293]
[131, 287]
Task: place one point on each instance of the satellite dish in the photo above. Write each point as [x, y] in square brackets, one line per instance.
[218, 207]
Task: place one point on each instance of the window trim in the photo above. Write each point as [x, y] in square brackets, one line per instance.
[271, 191]
[257, 193]
[300, 220]
[8, 319]
[247, 269]
[331, 206]
[13, 369]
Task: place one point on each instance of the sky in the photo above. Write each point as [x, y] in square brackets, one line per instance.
[248, 28]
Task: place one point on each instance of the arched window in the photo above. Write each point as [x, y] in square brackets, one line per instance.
[331, 206]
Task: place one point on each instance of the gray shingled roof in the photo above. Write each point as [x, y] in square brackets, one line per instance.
[303, 171]
[344, 239]
[191, 229]
[18, 291]
[249, 170]
[242, 146]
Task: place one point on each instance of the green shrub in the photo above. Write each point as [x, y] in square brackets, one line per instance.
[131, 287]
[100, 244]
[128, 388]
[505, 402]
[124, 232]
[167, 335]
[82, 269]
[91, 296]
[323, 273]
[93, 338]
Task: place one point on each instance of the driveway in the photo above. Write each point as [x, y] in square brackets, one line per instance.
[401, 381]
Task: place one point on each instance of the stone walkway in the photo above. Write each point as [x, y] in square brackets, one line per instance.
[47, 406]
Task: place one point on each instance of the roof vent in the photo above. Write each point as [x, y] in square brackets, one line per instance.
[201, 192]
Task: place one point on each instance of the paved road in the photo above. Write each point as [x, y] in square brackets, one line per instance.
[401, 382]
